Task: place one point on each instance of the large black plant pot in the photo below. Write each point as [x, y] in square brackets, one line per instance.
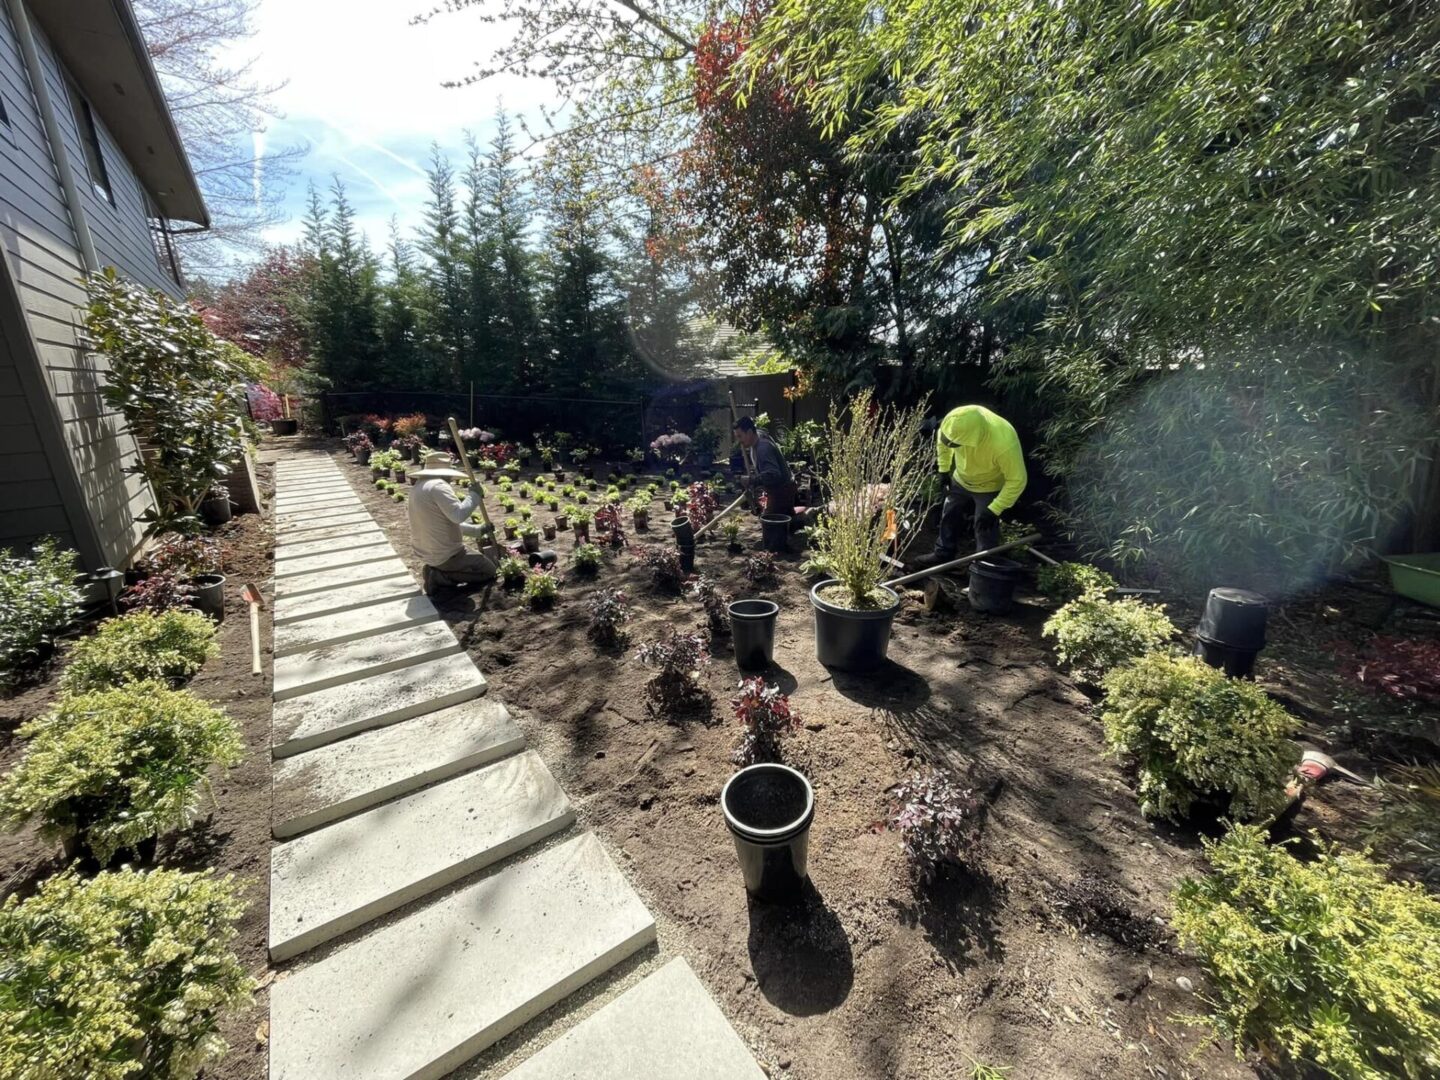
[851, 640]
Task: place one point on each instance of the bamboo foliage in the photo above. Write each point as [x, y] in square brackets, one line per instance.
[879, 462]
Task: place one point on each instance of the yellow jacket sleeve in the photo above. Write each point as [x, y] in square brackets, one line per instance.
[944, 455]
[1011, 462]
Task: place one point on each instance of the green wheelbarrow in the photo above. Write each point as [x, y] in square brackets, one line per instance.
[1416, 577]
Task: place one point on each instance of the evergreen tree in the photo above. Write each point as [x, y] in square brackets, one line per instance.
[343, 315]
[446, 306]
[515, 325]
[483, 362]
[404, 362]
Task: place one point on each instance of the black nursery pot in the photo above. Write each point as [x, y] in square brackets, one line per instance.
[752, 629]
[992, 585]
[210, 595]
[283, 426]
[216, 511]
[1237, 663]
[684, 532]
[768, 809]
[1234, 617]
[687, 560]
[851, 640]
[775, 532]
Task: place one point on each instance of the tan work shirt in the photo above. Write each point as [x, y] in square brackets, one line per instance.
[439, 520]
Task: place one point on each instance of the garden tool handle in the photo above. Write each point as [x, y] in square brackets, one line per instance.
[474, 483]
[955, 564]
[716, 519]
[254, 638]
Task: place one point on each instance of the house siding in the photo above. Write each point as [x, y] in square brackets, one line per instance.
[44, 258]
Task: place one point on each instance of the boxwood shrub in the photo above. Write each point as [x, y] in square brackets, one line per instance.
[1093, 634]
[170, 646]
[1320, 962]
[128, 974]
[1067, 581]
[1194, 732]
[115, 767]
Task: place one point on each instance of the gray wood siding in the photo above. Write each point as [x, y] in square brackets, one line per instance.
[39, 241]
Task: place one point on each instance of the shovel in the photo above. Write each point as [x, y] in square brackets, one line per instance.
[253, 598]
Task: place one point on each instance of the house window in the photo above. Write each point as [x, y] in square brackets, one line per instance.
[90, 140]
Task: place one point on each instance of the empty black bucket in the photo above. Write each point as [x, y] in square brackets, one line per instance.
[775, 532]
[768, 809]
[752, 629]
[210, 595]
[684, 532]
[1237, 663]
[1234, 617]
[687, 561]
[992, 585]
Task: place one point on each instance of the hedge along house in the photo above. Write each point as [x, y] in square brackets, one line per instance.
[92, 173]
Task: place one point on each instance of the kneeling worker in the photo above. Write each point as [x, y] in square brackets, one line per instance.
[979, 453]
[439, 521]
[772, 472]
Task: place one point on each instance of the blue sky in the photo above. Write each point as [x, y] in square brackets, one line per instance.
[363, 90]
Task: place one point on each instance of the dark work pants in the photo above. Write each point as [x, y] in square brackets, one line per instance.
[952, 514]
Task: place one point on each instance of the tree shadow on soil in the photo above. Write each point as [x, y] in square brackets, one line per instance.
[890, 687]
[800, 955]
[957, 913]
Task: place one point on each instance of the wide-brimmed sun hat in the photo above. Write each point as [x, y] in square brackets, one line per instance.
[438, 472]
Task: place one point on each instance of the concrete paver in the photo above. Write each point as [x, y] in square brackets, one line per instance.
[341, 626]
[292, 538]
[293, 608]
[346, 539]
[347, 662]
[664, 1028]
[354, 774]
[348, 873]
[311, 720]
[417, 998]
[304, 564]
[322, 580]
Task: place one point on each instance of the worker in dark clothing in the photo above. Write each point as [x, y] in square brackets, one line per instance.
[772, 472]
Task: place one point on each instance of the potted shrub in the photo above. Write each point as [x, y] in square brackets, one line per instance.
[609, 612]
[580, 521]
[1093, 634]
[730, 529]
[398, 472]
[562, 519]
[39, 599]
[579, 456]
[117, 766]
[879, 464]
[549, 531]
[640, 512]
[512, 571]
[637, 459]
[215, 507]
[186, 565]
[705, 443]
[170, 646]
[512, 526]
[541, 587]
[678, 660]
[586, 559]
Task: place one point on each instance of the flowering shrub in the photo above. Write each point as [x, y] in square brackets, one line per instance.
[1403, 669]
[118, 766]
[767, 717]
[586, 558]
[1194, 732]
[38, 599]
[412, 425]
[476, 436]
[264, 403]
[715, 601]
[678, 660]
[1093, 634]
[164, 590]
[375, 425]
[672, 446]
[759, 568]
[1321, 961]
[513, 570]
[541, 588]
[169, 647]
[126, 975]
[609, 612]
[664, 564]
[1068, 581]
[700, 504]
[938, 821]
[610, 525]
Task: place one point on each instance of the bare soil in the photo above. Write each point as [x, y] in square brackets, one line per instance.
[234, 837]
[1049, 955]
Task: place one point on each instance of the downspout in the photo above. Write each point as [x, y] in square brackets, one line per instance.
[56, 137]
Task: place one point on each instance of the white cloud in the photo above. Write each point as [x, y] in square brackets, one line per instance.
[363, 89]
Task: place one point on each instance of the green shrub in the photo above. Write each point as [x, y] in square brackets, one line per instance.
[1068, 581]
[170, 646]
[541, 588]
[128, 974]
[38, 598]
[586, 558]
[118, 766]
[513, 571]
[1321, 961]
[1195, 732]
[1093, 634]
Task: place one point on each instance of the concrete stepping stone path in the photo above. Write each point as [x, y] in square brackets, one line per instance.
[401, 790]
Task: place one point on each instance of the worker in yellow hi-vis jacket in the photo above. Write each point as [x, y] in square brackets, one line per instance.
[979, 454]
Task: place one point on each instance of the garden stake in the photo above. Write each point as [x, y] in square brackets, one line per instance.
[716, 519]
[255, 600]
[470, 472]
[955, 564]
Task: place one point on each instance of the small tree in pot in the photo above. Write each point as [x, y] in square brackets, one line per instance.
[879, 466]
